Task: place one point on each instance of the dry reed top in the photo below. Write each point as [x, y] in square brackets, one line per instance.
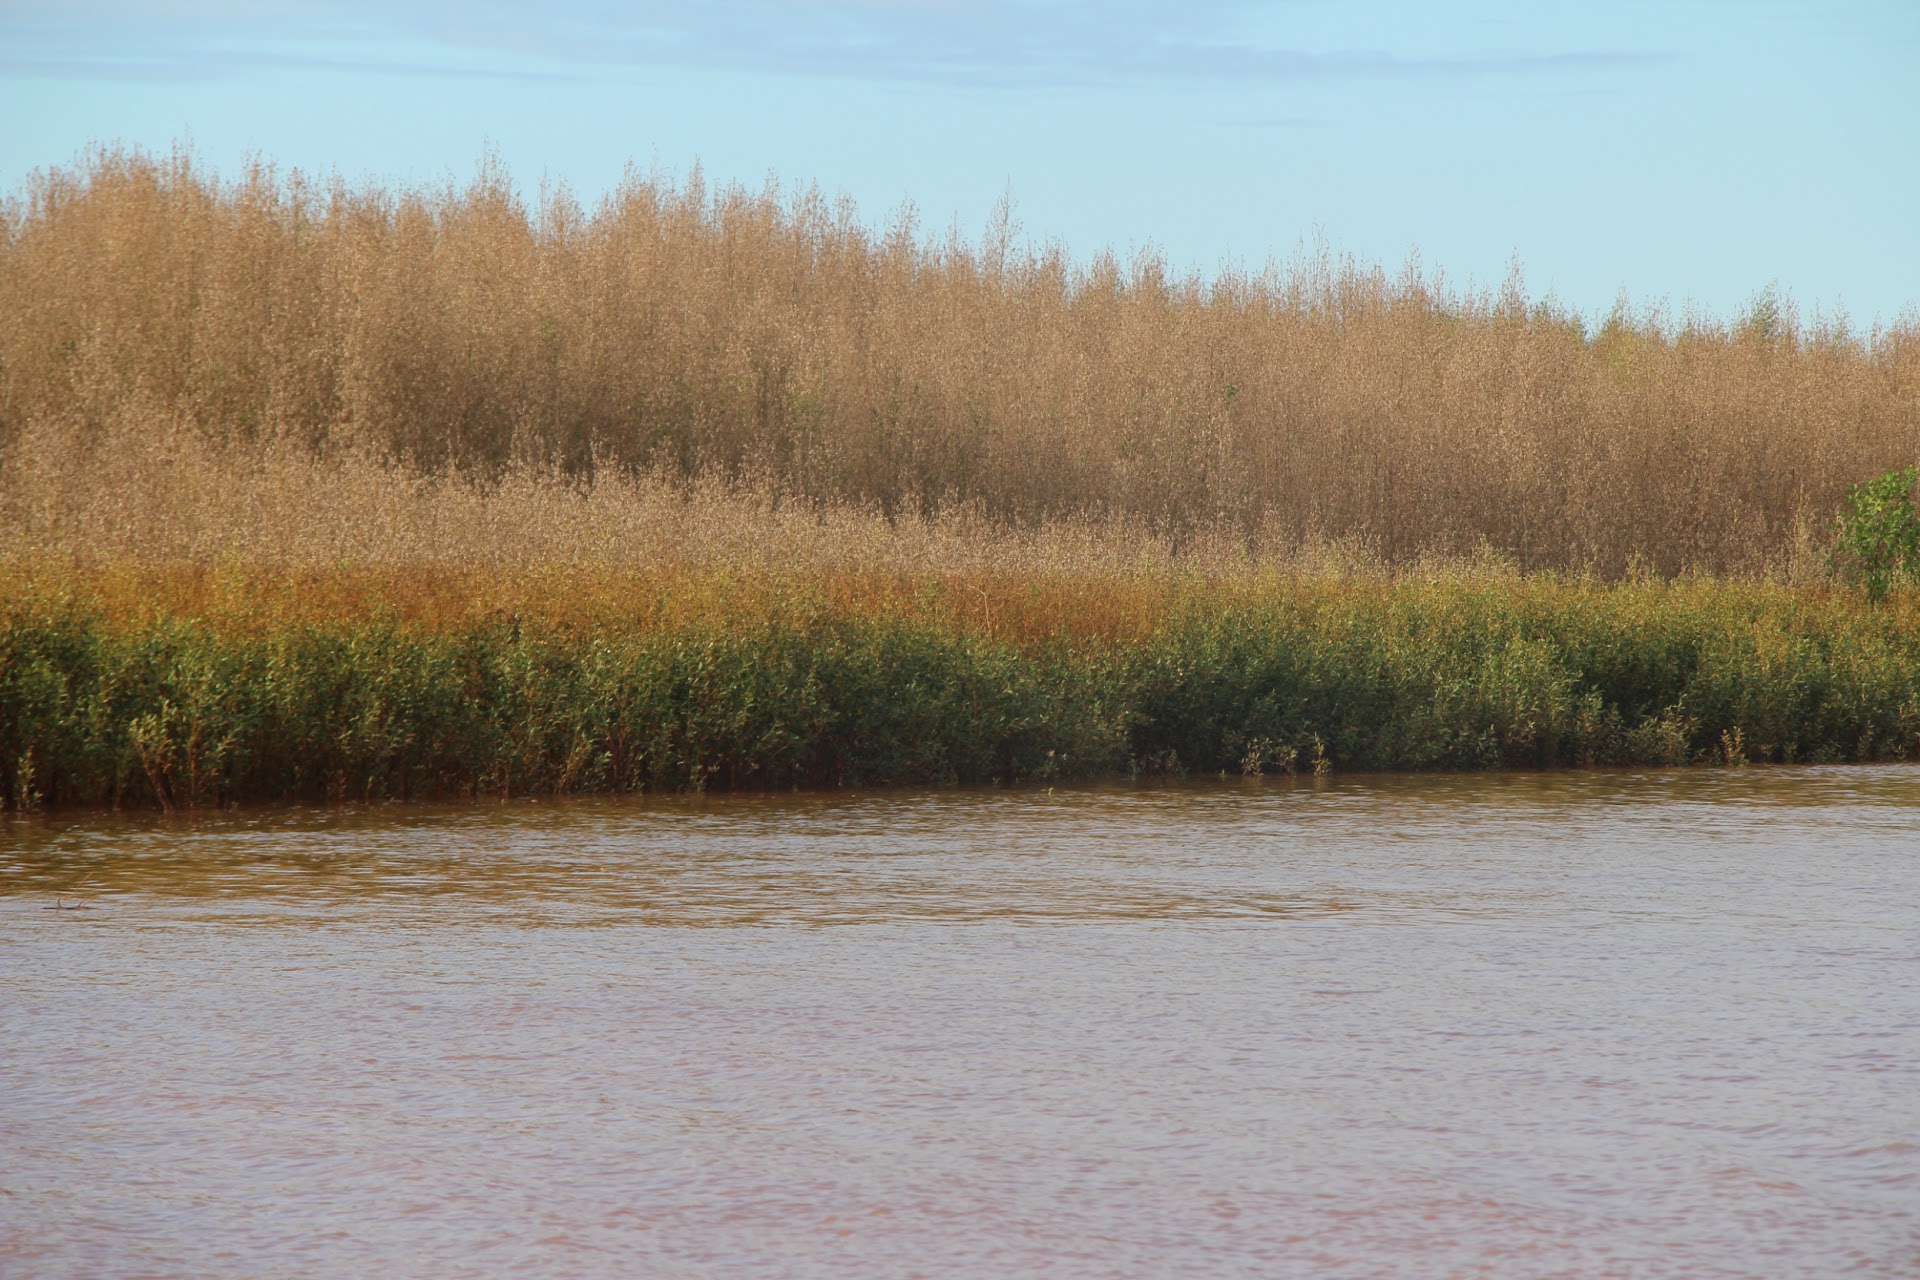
[192, 368]
[1032, 612]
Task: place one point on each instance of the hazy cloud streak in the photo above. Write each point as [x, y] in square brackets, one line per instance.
[1000, 43]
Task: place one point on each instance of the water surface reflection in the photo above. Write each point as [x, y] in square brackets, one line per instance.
[1577, 1023]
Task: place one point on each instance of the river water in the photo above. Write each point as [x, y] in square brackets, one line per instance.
[1580, 1024]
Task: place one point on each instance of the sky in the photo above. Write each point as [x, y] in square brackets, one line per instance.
[1682, 154]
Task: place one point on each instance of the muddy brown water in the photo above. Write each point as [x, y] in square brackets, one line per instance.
[1580, 1024]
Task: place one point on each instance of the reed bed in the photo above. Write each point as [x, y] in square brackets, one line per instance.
[208, 686]
[311, 492]
[723, 341]
[172, 497]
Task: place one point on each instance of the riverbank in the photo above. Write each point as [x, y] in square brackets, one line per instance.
[207, 686]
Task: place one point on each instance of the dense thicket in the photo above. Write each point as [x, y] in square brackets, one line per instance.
[726, 335]
[177, 707]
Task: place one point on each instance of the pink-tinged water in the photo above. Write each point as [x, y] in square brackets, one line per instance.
[1584, 1024]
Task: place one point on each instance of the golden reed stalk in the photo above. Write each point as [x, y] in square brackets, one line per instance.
[296, 371]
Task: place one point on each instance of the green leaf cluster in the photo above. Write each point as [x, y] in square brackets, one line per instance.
[1880, 530]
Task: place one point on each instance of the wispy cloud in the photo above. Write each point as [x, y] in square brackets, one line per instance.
[1005, 43]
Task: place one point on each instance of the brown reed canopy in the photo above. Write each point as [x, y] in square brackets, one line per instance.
[685, 335]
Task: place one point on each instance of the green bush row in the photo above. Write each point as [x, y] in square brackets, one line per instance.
[186, 713]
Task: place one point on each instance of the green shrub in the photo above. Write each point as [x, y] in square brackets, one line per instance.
[182, 712]
[1880, 531]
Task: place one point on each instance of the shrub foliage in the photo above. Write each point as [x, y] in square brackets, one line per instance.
[181, 711]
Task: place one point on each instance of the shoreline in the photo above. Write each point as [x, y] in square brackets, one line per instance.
[235, 692]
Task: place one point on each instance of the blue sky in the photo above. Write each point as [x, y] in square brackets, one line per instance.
[1688, 153]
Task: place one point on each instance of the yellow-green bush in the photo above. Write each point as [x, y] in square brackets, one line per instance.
[201, 709]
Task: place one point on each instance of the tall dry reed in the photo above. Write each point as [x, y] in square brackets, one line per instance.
[676, 337]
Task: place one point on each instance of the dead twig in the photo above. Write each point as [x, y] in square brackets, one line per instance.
[81, 902]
